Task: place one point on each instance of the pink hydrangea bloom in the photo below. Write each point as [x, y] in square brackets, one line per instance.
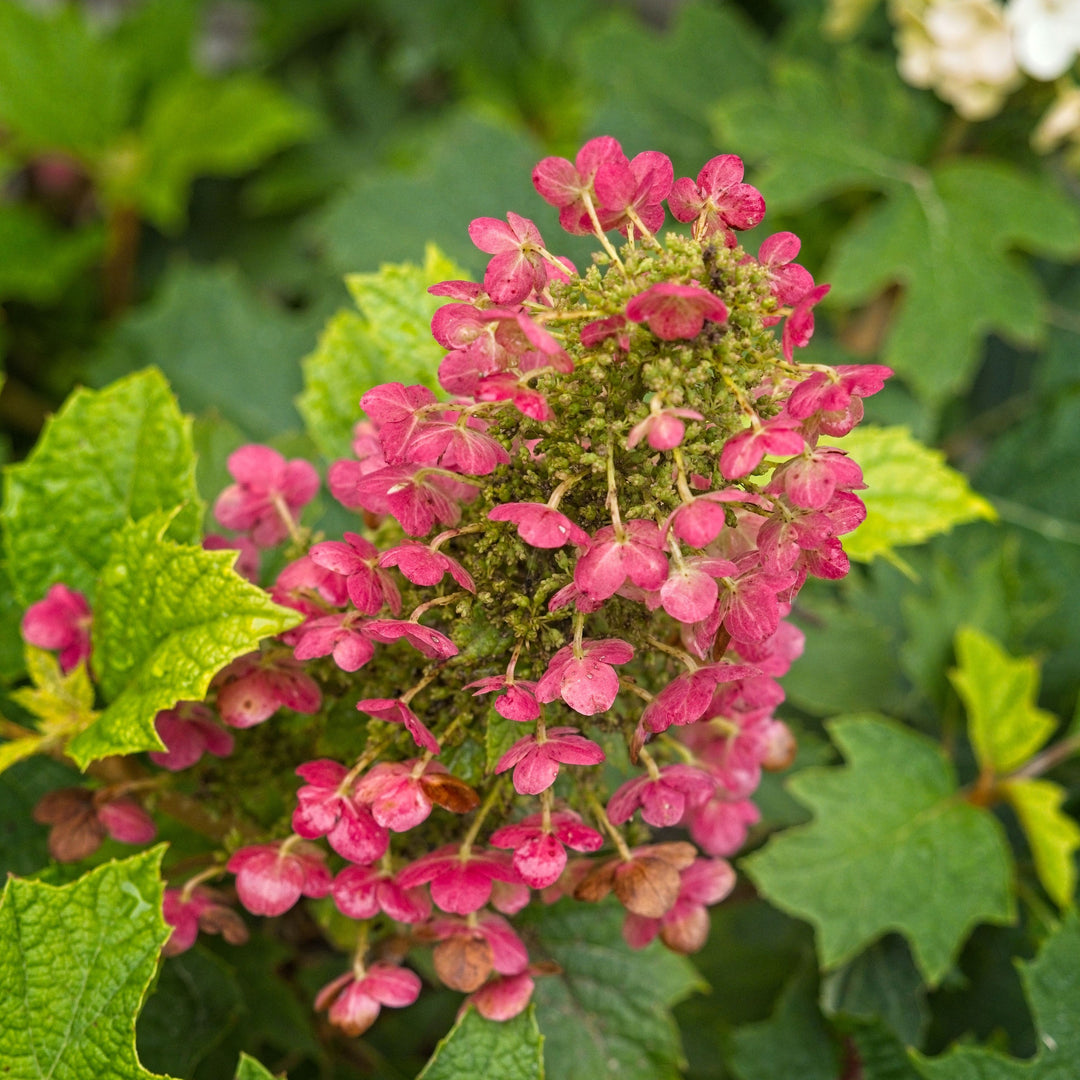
[516, 700]
[584, 677]
[395, 712]
[503, 997]
[567, 184]
[539, 854]
[799, 326]
[343, 636]
[788, 281]
[634, 552]
[354, 1001]
[399, 799]
[536, 762]
[743, 452]
[719, 827]
[357, 560]
[690, 592]
[270, 878]
[308, 587]
[361, 892]
[430, 642]
[203, 909]
[832, 391]
[422, 566]
[685, 926]
[662, 430]
[539, 525]
[60, 621]
[247, 559]
[253, 687]
[518, 267]
[719, 201]
[459, 883]
[125, 820]
[324, 809]
[188, 731]
[676, 311]
[663, 800]
[638, 187]
[267, 487]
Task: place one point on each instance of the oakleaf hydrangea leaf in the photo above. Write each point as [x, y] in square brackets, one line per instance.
[168, 618]
[891, 847]
[63, 704]
[75, 963]
[1052, 835]
[196, 126]
[794, 1041]
[999, 692]
[947, 239]
[250, 1069]
[608, 1012]
[106, 457]
[911, 493]
[945, 234]
[1054, 994]
[511, 1050]
[41, 259]
[388, 340]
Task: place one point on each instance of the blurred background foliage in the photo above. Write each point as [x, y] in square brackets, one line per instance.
[186, 183]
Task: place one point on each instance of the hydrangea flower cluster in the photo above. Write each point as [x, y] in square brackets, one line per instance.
[581, 554]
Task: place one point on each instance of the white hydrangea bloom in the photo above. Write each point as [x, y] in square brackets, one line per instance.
[1061, 122]
[1046, 35]
[961, 49]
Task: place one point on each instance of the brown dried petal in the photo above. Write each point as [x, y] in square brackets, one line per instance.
[226, 922]
[677, 853]
[450, 793]
[596, 884]
[463, 961]
[57, 806]
[686, 935]
[76, 837]
[647, 886]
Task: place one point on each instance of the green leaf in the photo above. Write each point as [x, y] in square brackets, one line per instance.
[1052, 835]
[62, 86]
[194, 1004]
[1052, 990]
[818, 132]
[239, 356]
[891, 847]
[23, 841]
[676, 78]
[880, 983]
[389, 340]
[168, 618]
[945, 234]
[471, 167]
[249, 1069]
[511, 1050]
[607, 1012]
[1004, 724]
[195, 126]
[75, 963]
[40, 260]
[911, 494]
[105, 457]
[947, 239]
[794, 1041]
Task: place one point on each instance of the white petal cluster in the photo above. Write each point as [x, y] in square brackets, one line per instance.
[1046, 36]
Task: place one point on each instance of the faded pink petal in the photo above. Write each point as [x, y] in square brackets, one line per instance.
[676, 311]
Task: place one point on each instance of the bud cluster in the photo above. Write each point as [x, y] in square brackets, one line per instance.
[583, 553]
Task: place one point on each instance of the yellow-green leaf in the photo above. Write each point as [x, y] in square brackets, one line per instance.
[999, 692]
[911, 494]
[17, 749]
[1053, 836]
[63, 704]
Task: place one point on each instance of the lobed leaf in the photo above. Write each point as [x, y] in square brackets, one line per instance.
[890, 848]
[911, 493]
[510, 1050]
[169, 617]
[999, 692]
[1052, 835]
[75, 964]
[388, 340]
[106, 457]
[1054, 994]
[607, 1012]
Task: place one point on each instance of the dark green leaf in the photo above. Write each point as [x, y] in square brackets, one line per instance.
[41, 260]
[890, 848]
